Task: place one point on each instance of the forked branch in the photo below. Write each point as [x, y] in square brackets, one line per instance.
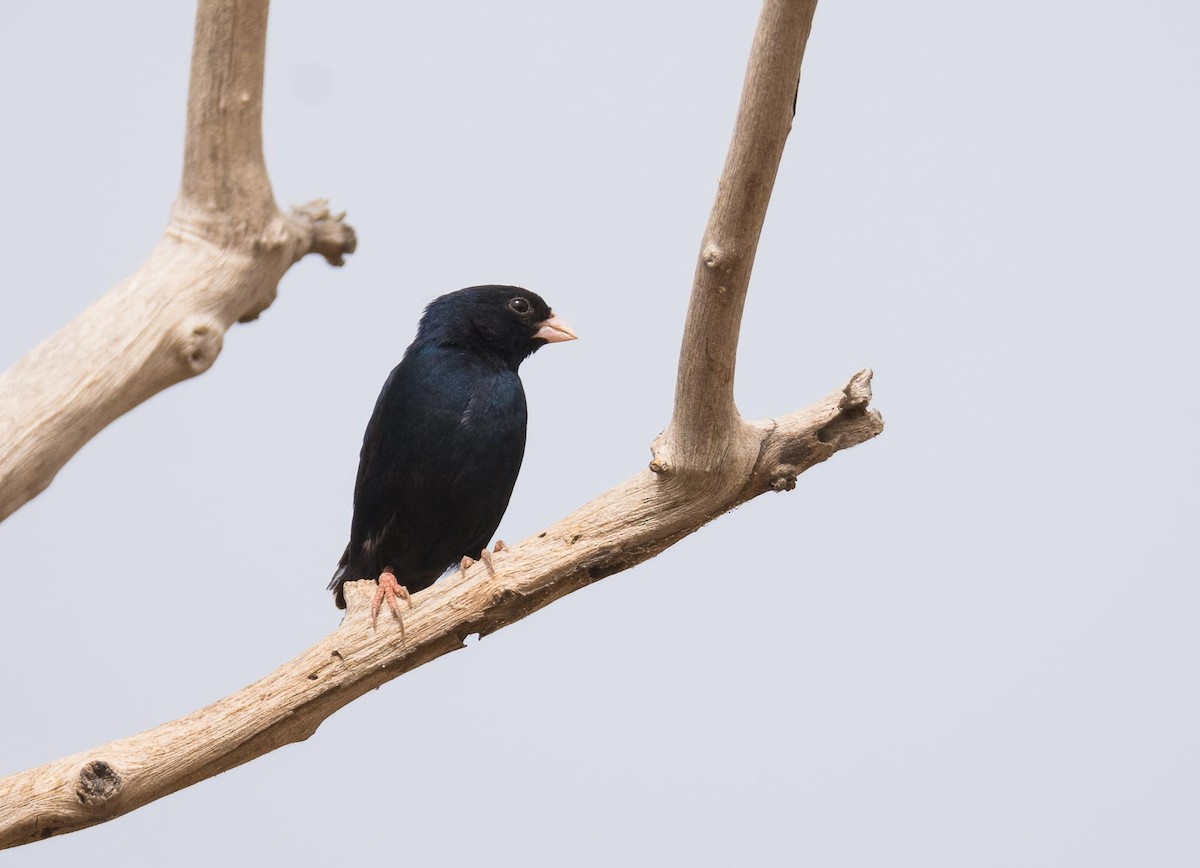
[219, 262]
[707, 463]
[623, 527]
[706, 425]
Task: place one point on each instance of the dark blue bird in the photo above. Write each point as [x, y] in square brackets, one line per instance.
[444, 445]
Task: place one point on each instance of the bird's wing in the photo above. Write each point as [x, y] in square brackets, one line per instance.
[439, 460]
[374, 485]
[409, 452]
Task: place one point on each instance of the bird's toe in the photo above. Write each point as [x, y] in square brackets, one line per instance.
[390, 590]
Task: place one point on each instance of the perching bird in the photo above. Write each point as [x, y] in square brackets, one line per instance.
[444, 445]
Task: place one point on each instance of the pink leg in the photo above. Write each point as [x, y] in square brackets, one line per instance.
[389, 589]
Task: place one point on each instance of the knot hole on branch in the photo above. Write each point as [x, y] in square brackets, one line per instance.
[712, 256]
[783, 482]
[98, 782]
[199, 343]
[660, 460]
[720, 260]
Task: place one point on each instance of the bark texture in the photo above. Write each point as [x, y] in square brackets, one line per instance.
[219, 262]
[707, 462]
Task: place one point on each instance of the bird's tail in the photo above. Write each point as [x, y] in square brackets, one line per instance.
[340, 578]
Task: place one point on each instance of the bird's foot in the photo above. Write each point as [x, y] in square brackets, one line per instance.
[390, 590]
[484, 556]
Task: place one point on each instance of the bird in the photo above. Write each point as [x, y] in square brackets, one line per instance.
[444, 444]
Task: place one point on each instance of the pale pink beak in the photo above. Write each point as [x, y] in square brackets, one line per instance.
[554, 330]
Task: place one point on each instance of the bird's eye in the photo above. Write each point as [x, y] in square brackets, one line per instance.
[519, 305]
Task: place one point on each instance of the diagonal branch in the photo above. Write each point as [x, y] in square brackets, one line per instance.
[623, 527]
[705, 465]
[219, 262]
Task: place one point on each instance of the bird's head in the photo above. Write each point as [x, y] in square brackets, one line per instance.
[505, 321]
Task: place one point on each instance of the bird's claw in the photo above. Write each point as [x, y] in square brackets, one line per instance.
[485, 556]
[390, 589]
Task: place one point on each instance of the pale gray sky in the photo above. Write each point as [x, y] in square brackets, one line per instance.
[972, 642]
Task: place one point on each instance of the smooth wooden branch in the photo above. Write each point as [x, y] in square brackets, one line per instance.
[705, 424]
[623, 527]
[219, 262]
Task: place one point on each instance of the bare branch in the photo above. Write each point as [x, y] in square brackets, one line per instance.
[219, 262]
[706, 424]
[707, 463]
[223, 168]
[623, 527]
